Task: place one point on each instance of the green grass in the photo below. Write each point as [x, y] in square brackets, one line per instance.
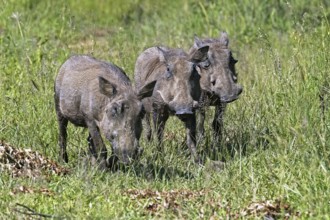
[276, 142]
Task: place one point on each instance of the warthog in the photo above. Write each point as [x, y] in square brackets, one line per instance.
[99, 96]
[177, 89]
[218, 80]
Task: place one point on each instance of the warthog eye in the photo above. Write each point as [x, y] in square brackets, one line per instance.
[114, 111]
[168, 73]
[205, 65]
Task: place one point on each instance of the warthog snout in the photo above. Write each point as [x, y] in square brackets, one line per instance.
[126, 148]
[181, 109]
[126, 154]
[184, 111]
[227, 98]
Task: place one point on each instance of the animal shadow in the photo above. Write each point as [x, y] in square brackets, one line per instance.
[235, 143]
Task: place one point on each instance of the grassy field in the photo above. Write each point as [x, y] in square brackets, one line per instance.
[276, 144]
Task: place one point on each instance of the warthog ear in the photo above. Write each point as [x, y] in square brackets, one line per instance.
[146, 90]
[224, 38]
[106, 87]
[197, 42]
[199, 55]
[162, 55]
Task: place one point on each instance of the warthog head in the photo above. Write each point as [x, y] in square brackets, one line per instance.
[179, 87]
[121, 122]
[218, 75]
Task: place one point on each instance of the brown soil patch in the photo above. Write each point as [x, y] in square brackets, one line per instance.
[27, 163]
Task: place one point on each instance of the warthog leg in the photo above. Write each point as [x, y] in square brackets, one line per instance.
[218, 126]
[190, 124]
[148, 127]
[97, 147]
[62, 137]
[160, 117]
[63, 123]
[200, 123]
[91, 146]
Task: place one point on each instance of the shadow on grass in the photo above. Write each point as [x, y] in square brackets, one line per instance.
[235, 143]
[150, 167]
[154, 171]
